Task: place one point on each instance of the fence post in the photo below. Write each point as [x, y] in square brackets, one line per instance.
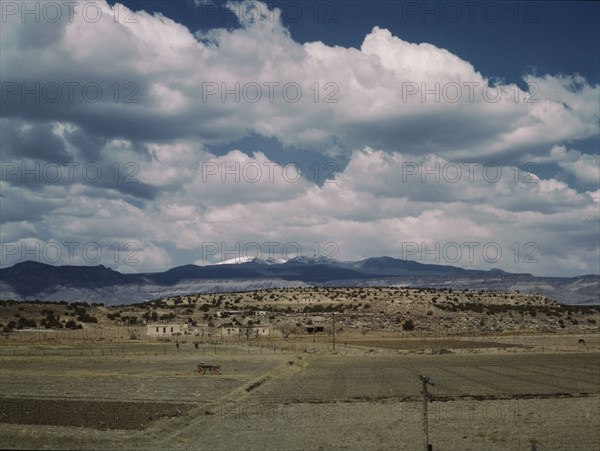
[426, 398]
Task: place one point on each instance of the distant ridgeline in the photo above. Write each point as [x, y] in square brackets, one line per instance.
[32, 280]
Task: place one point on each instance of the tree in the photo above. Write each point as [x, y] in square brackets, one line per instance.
[286, 330]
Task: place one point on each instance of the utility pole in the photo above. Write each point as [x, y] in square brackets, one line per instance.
[426, 397]
[333, 324]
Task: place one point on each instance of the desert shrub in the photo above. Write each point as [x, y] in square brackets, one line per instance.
[313, 309]
[132, 320]
[86, 318]
[408, 325]
[51, 322]
[167, 316]
[72, 325]
[25, 322]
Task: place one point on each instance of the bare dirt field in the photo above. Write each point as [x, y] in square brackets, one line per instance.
[543, 390]
[99, 414]
[458, 377]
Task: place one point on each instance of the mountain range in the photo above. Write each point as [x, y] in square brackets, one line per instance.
[33, 280]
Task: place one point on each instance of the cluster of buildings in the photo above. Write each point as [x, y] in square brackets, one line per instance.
[168, 330]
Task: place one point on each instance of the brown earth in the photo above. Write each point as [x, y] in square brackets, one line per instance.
[99, 414]
[436, 344]
[545, 392]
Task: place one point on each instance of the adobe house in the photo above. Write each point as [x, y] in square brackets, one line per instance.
[164, 330]
[230, 331]
[201, 330]
[260, 331]
[246, 331]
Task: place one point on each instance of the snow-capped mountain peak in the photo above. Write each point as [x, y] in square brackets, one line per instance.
[247, 259]
[313, 260]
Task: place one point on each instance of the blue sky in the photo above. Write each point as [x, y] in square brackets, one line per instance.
[133, 130]
[552, 36]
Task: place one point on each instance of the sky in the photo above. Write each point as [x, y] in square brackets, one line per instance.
[151, 134]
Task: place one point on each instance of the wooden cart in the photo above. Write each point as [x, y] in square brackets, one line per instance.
[204, 368]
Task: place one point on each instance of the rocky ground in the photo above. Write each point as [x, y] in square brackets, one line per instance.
[290, 311]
